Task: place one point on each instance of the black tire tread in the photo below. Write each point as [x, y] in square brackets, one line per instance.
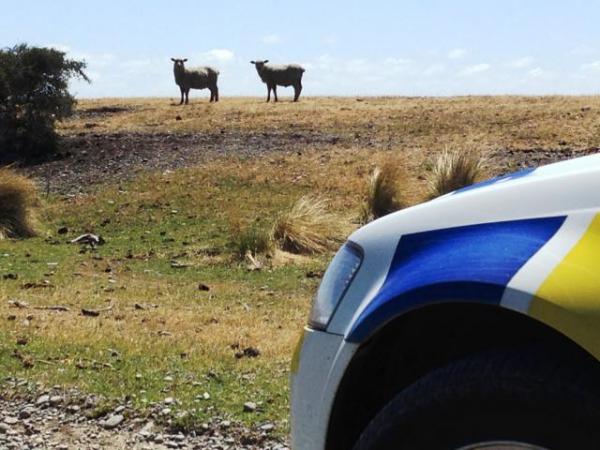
[531, 378]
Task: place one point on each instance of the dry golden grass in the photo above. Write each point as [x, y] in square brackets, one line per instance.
[17, 199]
[384, 191]
[454, 170]
[488, 123]
[308, 227]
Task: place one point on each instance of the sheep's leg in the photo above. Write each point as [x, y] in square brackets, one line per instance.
[297, 90]
[216, 93]
[275, 91]
[268, 93]
[187, 96]
[181, 89]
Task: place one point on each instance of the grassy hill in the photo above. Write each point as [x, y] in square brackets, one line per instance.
[173, 217]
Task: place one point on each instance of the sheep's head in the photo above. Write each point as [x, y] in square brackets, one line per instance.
[178, 64]
[259, 64]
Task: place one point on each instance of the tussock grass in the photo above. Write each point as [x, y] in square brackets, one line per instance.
[453, 170]
[17, 198]
[307, 228]
[251, 239]
[383, 194]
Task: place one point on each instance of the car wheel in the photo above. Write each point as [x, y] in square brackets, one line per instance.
[496, 400]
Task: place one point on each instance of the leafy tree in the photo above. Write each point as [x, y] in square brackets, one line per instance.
[33, 96]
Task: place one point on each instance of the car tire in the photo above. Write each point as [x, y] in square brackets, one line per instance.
[499, 399]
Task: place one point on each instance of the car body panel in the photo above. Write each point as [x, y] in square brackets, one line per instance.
[469, 263]
[323, 359]
[529, 242]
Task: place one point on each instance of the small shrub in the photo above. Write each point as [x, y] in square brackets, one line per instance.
[307, 228]
[383, 192]
[17, 198]
[33, 96]
[453, 170]
[252, 239]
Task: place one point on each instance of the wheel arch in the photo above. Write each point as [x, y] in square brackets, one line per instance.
[418, 341]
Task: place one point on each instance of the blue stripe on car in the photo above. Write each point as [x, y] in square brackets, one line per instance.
[501, 179]
[468, 263]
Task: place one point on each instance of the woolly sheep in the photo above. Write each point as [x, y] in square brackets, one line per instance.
[280, 75]
[197, 78]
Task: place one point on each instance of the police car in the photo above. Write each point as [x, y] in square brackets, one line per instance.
[468, 322]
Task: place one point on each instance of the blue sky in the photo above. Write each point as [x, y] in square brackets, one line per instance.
[374, 47]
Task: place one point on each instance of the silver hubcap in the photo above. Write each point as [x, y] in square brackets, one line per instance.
[501, 445]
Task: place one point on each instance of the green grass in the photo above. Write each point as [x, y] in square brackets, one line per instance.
[191, 335]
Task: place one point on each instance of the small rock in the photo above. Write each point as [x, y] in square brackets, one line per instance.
[248, 352]
[73, 409]
[90, 239]
[249, 407]
[62, 230]
[55, 400]
[267, 427]
[113, 421]
[26, 412]
[11, 420]
[42, 400]
[169, 401]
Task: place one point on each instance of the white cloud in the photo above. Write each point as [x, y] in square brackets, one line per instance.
[270, 39]
[592, 67]
[538, 72]
[475, 69]
[59, 47]
[94, 59]
[330, 39]
[391, 61]
[218, 55]
[457, 53]
[136, 63]
[434, 69]
[583, 50]
[520, 63]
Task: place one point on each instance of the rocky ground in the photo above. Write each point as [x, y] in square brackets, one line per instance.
[61, 420]
[90, 158]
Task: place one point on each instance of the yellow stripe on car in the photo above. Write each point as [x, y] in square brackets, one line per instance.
[569, 297]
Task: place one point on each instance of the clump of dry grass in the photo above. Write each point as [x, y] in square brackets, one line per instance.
[17, 198]
[383, 194]
[307, 228]
[252, 240]
[453, 170]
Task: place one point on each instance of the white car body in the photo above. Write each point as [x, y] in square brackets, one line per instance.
[512, 240]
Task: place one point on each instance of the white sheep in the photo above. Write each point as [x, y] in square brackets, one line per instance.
[280, 75]
[197, 78]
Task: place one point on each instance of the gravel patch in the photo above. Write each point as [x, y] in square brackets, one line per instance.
[36, 422]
